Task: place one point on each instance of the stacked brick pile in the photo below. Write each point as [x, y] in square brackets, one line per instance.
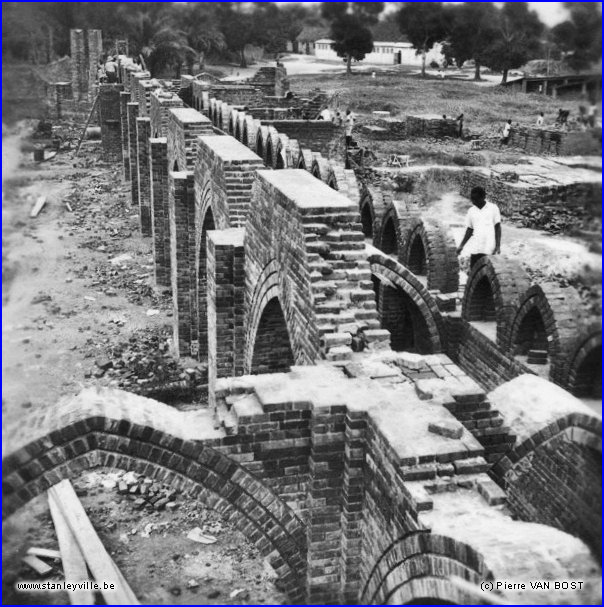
[430, 125]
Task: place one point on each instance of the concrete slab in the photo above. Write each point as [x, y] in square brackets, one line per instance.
[228, 148]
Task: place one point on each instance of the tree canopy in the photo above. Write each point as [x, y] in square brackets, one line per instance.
[352, 39]
[425, 24]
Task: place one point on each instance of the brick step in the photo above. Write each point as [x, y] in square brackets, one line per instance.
[347, 246]
[246, 406]
[339, 353]
[345, 236]
[319, 247]
[317, 228]
[346, 255]
[330, 340]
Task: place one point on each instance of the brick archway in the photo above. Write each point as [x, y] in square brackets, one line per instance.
[373, 205]
[261, 142]
[239, 127]
[272, 351]
[305, 160]
[268, 288]
[391, 236]
[493, 292]
[420, 309]
[583, 374]
[428, 249]
[418, 565]
[547, 318]
[571, 444]
[120, 430]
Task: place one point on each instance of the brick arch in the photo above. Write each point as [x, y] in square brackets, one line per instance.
[418, 565]
[261, 141]
[225, 116]
[320, 167]
[583, 373]
[394, 228]
[272, 142]
[217, 121]
[548, 317]
[373, 205]
[344, 181]
[305, 160]
[292, 153]
[394, 275]
[428, 249]
[212, 110]
[272, 351]
[120, 430]
[270, 285]
[493, 291]
[233, 120]
[570, 500]
[280, 160]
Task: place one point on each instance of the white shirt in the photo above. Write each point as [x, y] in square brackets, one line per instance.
[349, 120]
[482, 222]
[540, 121]
[326, 114]
[506, 129]
[110, 66]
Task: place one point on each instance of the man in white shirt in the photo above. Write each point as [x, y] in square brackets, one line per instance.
[483, 227]
[349, 123]
[325, 114]
[111, 70]
[540, 119]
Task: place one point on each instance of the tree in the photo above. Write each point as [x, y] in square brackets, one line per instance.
[472, 31]
[580, 37]
[517, 39]
[352, 39]
[424, 24]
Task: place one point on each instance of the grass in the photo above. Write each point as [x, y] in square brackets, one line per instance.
[485, 108]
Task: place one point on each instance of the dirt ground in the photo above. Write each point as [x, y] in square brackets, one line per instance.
[162, 566]
[68, 303]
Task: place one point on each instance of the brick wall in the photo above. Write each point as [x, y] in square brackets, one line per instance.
[318, 135]
[86, 49]
[543, 141]
[184, 126]
[143, 133]
[124, 101]
[110, 119]
[160, 104]
[132, 109]
[225, 290]
[182, 260]
[431, 126]
[159, 209]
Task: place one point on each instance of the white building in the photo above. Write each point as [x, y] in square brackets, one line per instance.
[390, 47]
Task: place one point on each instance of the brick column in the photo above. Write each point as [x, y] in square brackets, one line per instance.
[160, 219]
[221, 330]
[324, 532]
[124, 100]
[182, 263]
[143, 133]
[352, 509]
[110, 119]
[133, 147]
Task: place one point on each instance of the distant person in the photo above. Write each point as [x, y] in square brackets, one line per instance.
[338, 119]
[483, 227]
[591, 114]
[506, 132]
[540, 119]
[562, 118]
[349, 124]
[100, 72]
[111, 70]
[460, 128]
[325, 114]
[373, 74]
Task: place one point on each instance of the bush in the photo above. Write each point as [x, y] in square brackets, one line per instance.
[434, 65]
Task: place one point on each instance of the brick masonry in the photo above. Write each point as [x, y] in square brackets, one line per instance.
[158, 150]
[143, 133]
[110, 119]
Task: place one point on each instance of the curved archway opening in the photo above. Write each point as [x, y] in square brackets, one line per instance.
[202, 284]
[280, 161]
[401, 316]
[269, 153]
[389, 243]
[482, 302]
[417, 257]
[531, 335]
[260, 146]
[175, 166]
[244, 137]
[272, 348]
[587, 382]
[367, 221]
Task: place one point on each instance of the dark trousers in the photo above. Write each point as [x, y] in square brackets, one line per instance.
[348, 140]
[111, 77]
[474, 258]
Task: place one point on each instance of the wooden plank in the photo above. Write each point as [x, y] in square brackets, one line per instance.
[45, 553]
[40, 567]
[74, 565]
[40, 202]
[99, 562]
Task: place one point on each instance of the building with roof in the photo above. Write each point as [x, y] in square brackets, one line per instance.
[390, 47]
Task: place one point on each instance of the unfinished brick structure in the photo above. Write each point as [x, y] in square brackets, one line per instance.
[355, 443]
[86, 52]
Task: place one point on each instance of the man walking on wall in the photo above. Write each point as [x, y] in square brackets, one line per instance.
[483, 227]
